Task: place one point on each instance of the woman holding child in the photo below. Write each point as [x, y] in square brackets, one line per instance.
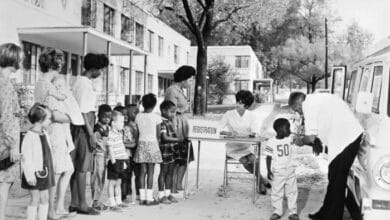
[50, 92]
[183, 79]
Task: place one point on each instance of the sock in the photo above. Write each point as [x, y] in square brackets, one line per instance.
[31, 212]
[112, 201]
[149, 195]
[167, 192]
[118, 200]
[161, 194]
[42, 211]
[142, 194]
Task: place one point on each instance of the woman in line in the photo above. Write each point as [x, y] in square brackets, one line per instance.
[83, 135]
[175, 93]
[50, 63]
[10, 61]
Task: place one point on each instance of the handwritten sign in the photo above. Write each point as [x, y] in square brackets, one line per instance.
[204, 129]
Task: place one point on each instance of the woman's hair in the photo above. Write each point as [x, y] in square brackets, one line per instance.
[103, 109]
[166, 104]
[10, 55]
[95, 61]
[149, 101]
[37, 113]
[245, 97]
[184, 73]
[51, 59]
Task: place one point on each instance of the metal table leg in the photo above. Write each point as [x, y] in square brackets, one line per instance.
[197, 167]
[187, 168]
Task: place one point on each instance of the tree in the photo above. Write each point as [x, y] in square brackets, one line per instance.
[198, 19]
[221, 76]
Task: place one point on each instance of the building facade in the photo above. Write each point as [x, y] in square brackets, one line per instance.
[144, 52]
[241, 59]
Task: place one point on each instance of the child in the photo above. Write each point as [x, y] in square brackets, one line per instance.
[167, 143]
[37, 163]
[130, 133]
[148, 152]
[282, 171]
[117, 161]
[98, 176]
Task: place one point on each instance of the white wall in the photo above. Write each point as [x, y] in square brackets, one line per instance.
[22, 13]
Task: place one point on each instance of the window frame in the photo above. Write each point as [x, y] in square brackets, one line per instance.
[150, 83]
[351, 86]
[108, 25]
[239, 62]
[176, 54]
[150, 41]
[139, 39]
[160, 46]
[376, 109]
[139, 82]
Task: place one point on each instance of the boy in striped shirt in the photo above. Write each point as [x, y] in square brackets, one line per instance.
[118, 158]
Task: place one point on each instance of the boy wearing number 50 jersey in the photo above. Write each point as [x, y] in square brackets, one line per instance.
[282, 172]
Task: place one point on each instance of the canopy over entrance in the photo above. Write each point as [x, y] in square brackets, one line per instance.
[76, 39]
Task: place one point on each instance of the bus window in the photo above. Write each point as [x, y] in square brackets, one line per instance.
[376, 88]
[364, 81]
[351, 86]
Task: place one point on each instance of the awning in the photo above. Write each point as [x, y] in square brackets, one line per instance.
[71, 39]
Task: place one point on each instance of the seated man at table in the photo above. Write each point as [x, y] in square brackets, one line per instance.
[240, 122]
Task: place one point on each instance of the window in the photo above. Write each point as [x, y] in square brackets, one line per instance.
[160, 46]
[139, 35]
[364, 81]
[127, 30]
[150, 83]
[241, 85]
[176, 54]
[351, 86]
[377, 88]
[163, 84]
[30, 63]
[123, 79]
[139, 82]
[242, 61]
[108, 23]
[88, 13]
[150, 41]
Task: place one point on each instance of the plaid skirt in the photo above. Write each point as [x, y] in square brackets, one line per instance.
[181, 152]
[167, 153]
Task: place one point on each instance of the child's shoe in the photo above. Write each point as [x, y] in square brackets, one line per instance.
[172, 199]
[115, 209]
[123, 205]
[275, 217]
[165, 200]
[127, 201]
[151, 203]
[293, 217]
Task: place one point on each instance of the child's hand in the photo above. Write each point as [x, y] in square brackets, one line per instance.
[113, 161]
[32, 182]
[270, 175]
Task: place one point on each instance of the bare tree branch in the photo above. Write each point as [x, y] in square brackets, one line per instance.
[201, 3]
[182, 19]
[190, 17]
[229, 15]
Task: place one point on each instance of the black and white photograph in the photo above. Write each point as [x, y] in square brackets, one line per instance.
[194, 109]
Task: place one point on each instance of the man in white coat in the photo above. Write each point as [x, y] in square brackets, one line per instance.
[329, 118]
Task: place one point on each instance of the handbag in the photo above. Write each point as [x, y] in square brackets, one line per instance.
[6, 163]
[42, 174]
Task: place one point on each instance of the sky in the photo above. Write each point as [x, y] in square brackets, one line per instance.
[372, 15]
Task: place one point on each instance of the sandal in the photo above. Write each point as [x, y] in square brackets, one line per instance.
[90, 211]
[151, 203]
[293, 217]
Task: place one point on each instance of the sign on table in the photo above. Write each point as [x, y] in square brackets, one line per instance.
[204, 129]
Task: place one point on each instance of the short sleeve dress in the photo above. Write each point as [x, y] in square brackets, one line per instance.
[148, 150]
[9, 128]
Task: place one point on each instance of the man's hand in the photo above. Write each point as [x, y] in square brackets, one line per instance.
[317, 146]
[14, 155]
[297, 140]
[32, 182]
[270, 175]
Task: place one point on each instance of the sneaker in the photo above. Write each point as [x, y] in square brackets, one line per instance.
[100, 207]
[275, 217]
[164, 200]
[142, 202]
[172, 199]
[293, 217]
[115, 209]
[151, 203]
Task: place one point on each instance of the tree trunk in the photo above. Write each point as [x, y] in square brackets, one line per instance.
[200, 83]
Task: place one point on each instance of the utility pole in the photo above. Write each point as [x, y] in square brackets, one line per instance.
[326, 53]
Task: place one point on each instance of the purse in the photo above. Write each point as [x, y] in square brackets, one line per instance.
[6, 163]
[42, 174]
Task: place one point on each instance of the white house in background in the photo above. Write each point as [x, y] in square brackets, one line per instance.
[144, 52]
[242, 59]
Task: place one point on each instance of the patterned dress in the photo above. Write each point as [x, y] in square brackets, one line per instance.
[9, 128]
[148, 150]
[60, 136]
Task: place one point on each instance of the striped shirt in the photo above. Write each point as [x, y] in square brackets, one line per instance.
[116, 146]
